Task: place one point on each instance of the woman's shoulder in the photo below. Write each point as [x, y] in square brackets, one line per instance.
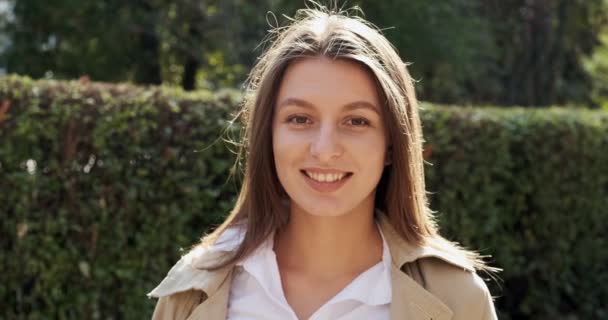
[462, 290]
[453, 283]
[178, 305]
[191, 272]
[445, 271]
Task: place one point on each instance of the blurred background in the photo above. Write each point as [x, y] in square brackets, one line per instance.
[505, 53]
[113, 163]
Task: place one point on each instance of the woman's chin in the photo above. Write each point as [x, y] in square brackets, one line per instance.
[321, 209]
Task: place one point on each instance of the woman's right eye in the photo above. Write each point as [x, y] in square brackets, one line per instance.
[298, 120]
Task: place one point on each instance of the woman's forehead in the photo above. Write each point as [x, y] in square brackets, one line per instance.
[323, 81]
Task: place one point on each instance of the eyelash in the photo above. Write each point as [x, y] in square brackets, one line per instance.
[290, 119]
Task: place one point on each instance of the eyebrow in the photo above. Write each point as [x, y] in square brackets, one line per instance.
[361, 104]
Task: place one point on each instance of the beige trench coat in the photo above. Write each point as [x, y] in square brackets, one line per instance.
[426, 284]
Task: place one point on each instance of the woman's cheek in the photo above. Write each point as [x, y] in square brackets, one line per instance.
[287, 139]
[367, 142]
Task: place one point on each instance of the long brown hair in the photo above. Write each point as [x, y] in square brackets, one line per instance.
[400, 194]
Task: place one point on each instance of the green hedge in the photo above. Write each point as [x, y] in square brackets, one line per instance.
[529, 187]
[102, 185]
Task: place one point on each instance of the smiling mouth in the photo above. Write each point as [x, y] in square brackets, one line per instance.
[326, 177]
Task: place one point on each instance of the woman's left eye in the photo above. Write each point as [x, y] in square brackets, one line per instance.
[358, 122]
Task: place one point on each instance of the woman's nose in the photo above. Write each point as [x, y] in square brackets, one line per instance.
[326, 144]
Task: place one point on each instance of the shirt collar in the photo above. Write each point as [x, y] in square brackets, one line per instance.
[372, 287]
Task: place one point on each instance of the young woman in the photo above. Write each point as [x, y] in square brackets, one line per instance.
[332, 221]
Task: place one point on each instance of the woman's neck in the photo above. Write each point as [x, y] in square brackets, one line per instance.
[326, 247]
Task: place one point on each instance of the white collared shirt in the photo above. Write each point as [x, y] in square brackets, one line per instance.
[256, 291]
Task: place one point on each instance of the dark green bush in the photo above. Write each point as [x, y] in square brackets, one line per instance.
[102, 185]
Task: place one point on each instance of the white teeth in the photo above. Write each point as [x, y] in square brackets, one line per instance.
[330, 177]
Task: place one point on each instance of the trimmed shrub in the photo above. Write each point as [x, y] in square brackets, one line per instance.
[101, 186]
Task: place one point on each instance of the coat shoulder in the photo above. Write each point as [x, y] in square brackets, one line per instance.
[189, 283]
[178, 305]
[462, 290]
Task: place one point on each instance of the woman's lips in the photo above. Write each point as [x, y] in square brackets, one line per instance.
[326, 186]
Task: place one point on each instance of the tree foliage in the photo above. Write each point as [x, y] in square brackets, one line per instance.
[514, 52]
[543, 45]
[144, 41]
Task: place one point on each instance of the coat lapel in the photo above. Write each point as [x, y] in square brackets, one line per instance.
[412, 302]
[215, 307]
[410, 299]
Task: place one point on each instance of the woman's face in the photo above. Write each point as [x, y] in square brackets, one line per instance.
[328, 136]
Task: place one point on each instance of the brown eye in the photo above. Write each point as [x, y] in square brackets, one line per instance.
[359, 122]
[298, 120]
